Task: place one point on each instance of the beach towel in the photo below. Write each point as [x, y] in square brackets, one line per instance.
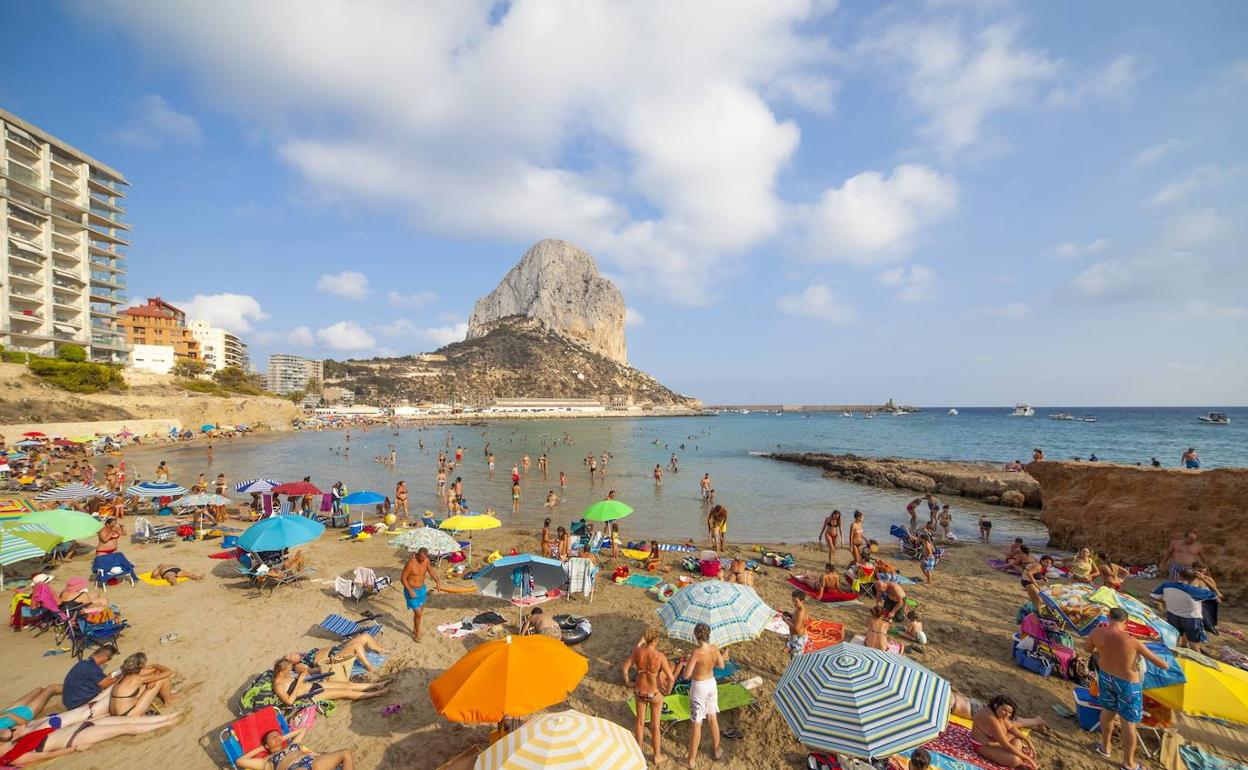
[375, 659]
[1001, 565]
[643, 581]
[1197, 758]
[827, 597]
[456, 630]
[232, 553]
[823, 633]
[146, 577]
[259, 693]
[951, 750]
[581, 575]
[777, 624]
[532, 601]
[894, 647]
[633, 553]
[676, 706]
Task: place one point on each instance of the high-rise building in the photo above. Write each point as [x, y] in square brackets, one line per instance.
[62, 263]
[159, 323]
[289, 373]
[218, 347]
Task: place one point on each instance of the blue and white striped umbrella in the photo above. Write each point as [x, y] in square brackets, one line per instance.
[156, 489]
[860, 701]
[27, 541]
[73, 491]
[255, 485]
[734, 612]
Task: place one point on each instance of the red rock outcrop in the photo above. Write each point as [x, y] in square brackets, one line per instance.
[1133, 512]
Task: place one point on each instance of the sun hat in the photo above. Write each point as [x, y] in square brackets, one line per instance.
[42, 577]
[76, 584]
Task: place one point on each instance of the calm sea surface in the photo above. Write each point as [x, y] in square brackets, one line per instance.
[768, 501]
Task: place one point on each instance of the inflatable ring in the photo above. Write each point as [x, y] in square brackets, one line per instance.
[575, 630]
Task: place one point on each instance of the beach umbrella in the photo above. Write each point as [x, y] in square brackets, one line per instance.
[513, 577]
[566, 740]
[469, 521]
[1217, 693]
[860, 701]
[734, 612]
[16, 455]
[206, 428]
[66, 524]
[156, 489]
[298, 488]
[1083, 607]
[34, 434]
[278, 533]
[255, 485]
[363, 497]
[74, 491]
[65, 443]
[29, 542]
[606, 510]
[436, 541]
[511, 677]
[29, 442]
[201, 500]
[124, 434]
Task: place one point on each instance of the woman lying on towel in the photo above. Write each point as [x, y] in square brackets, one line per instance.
[998, 739]
[285, 754]
[349, 649]
[171, 572]
[290, 683]
[44, 743]
[826, 584]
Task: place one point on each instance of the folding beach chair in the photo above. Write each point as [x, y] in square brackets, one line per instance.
[145, 532]
[676, 706]
[345, 629]
[275, 578]
[245, 734]
[112, 566]
[364, 582]
[84, 636]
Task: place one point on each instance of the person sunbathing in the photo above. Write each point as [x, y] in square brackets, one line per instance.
[996, 738]
[171, 572]
[355, 648]
[44, 743]
[284, 753]
[23, 711]
[77, 596]
[828, 582]
[290, 684]
[1081, 566]
[737, 573]
[877, 630]
[139, 687]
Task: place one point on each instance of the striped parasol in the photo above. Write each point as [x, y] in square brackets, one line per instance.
[156, 489]
[73, 491]
[566, 740]
[202, 500]
[255, 485]
[734, 612]
[855, 700]
[25, 541]
[438, 542]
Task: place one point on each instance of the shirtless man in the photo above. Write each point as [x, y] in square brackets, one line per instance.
[798, 622]
[547, 545]
[415, 592]
[658, 476]
[717, 526]
[1121, 693]
[1182, 554]
[1190, 460]
[551, 499]
[856, 539]
[703, 691]
[655, 678]
[892, 598]
[706, 486]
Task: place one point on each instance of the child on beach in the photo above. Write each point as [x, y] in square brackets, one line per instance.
[944, 520]
[985, 528]
[913, 629]
[929, 556]
[798, 622]
[654, 557]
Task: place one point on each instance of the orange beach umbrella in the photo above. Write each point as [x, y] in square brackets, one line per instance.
[510, 677]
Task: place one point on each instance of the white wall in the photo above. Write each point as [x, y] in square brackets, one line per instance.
[158, 359]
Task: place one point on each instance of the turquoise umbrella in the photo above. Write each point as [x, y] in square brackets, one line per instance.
[18, 543]
[860, 701]
[363, 497]
[733, 611]
[278, 533]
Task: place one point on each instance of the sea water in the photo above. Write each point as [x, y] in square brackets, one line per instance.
[768, 501]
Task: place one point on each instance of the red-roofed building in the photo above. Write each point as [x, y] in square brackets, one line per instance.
[159, 323]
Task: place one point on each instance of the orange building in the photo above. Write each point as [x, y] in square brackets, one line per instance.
[159, 323]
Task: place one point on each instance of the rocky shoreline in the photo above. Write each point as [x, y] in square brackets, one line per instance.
[986, 482]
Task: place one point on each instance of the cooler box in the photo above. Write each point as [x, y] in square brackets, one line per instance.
[355, 528]
[1087, 710]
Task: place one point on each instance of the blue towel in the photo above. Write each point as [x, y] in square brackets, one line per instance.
[374, 658]
[340, 626]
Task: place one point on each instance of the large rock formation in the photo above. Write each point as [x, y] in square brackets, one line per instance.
[1134, 512]
[558, 285]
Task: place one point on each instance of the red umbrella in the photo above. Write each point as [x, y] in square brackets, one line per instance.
[296, 488]
[65, 443]
[35, 434]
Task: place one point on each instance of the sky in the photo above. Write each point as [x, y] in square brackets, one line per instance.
[957, 202]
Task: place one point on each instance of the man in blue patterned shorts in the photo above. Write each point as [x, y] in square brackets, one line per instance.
[1119, 680]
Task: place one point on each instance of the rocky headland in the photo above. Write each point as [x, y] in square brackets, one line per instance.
[986, 482]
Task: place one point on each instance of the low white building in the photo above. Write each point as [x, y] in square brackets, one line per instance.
[357, 410]
[545, 406]
[158, 359]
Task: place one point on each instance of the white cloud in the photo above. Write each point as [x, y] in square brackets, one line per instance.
[649, 139]
[414, 300]
[632, 318]
[445, 335]
[1153, 153]
[873, 218]
[817, 301]
[400, 327]
[233, 312]
[1012, 310]
[1203, 310]
[913, 283]
[348, 284]
[301, 336]
[1112, 81]
[1199, 177]
[1077, 249]
[157, 123]
[346, 335]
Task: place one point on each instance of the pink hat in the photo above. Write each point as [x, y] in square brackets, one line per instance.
[75, 583]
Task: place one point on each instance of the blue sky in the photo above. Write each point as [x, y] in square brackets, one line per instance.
[945, 202]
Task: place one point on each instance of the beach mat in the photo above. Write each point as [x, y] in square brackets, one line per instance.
[450, 587]
[951, 750]
[14, 506]
[676, 706]
[823, 633]
[146, 577]
[533, 601]
[643, 581]
[833, 596]
[376, 659]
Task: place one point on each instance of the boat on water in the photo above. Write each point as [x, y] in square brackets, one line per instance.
[953, 412]
[899, 412]
[1062, 416]
[846, 414]
[867, 416]
[1023, 410]
[1215, 418]
[1086, 418]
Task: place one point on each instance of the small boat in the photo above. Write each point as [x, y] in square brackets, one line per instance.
[1022, 410]
[953, 412]
[1087, 418]
[846, 414]
[1215, 418]
[1062, 416]
[867, 416]
[899, 412]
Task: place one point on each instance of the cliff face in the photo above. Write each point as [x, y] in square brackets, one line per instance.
[1134, 513]
[559, 286]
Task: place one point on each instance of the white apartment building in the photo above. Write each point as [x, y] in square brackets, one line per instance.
[158, 359]
[63, 236]
[289, 373]
[219, 348]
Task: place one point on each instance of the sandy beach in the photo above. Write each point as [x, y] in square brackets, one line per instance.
[225, 637]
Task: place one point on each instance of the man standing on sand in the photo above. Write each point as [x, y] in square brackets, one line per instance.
[655, 678]
[1181, 554]
[703, 691]
[1121, 692]
[415, 592]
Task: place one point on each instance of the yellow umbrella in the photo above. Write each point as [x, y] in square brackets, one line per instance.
[567, 740]
[1219, 693]
[465, 522]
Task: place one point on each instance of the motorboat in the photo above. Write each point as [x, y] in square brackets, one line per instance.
[1062, 416]
[846, 414]
[1215, 418]
[1087, 418]
[953, 412]
[899, 412]
[1023, 410]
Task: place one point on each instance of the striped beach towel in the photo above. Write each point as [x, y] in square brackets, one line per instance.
[340, 626]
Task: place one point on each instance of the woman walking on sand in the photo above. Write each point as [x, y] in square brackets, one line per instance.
[831, 533]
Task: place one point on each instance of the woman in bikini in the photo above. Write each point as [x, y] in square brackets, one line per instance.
[14, 719]
[856, 539]
[353, 649]
[46, 743]
[139, 686]
[109, 536]
[877, 630]
[831, 533]
[290, 684]
[285, 754]
[547, 545]
[655, 678]
[171, 572]
[1111, 574]
[996, 738]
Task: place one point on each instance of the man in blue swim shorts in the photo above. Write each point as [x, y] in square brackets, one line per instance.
[1119, 682]
[415, 592]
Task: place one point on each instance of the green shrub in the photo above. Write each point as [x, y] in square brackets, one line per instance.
[200, 386]
[74, 353]
[13, 356]
[235, 380]
[188, 368]
[77, 377]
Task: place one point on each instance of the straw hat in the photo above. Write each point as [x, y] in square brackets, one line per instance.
[42, 577]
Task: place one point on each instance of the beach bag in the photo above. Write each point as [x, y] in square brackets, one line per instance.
[457, 557]
[1034, 662]
[710, 568]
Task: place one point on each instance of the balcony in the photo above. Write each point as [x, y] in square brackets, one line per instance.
[26, 316]
[25, 295]
[100, 294]
[26, 238]
[28, 257]
[23, 216]
[108, 201]
[17, 172]
[21, 141]
[64, 160]
[107, 264]
[106, 279]
[107, 233]
[25, 276]
[116, 219]
[106, 182]
[115, 341]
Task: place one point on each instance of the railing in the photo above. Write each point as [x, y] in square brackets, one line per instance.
[33, 241]
[69, 163]
[111, 340]
[105, 278]
[23, 141]
[115, 296]
[60, 335]
[23, 274]
[106, 181]
[30, 219]
[101, 245]
[23, 293]
[24, 254]
[25, 176]
[107, 200]
[66, 285]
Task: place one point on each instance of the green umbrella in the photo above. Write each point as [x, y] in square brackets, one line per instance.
[606, 510]
[69, 525]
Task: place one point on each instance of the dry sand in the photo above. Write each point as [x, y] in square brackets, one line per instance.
[225, 638]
